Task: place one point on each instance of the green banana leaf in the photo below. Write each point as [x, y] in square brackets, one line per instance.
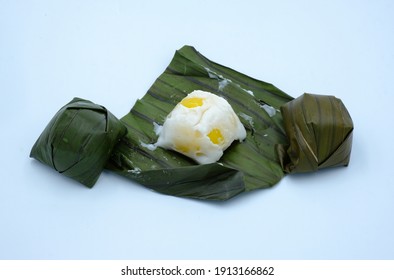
[320, 132]
[245, 166]
[284, 135]
[78, 141]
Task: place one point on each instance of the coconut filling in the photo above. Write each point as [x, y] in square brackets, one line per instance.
[202, 126]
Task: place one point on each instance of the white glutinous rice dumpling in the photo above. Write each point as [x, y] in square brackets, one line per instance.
[201, 127]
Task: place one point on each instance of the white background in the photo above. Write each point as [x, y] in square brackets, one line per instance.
[110, 52]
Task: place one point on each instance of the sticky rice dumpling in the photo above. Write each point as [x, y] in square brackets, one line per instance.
[78, 140]
[319, 129]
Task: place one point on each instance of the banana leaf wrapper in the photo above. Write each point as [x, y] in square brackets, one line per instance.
[245, 166]
[284, 135]
[320, 132]
[78, 141]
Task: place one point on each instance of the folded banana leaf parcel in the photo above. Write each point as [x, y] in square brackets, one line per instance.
[282, 134]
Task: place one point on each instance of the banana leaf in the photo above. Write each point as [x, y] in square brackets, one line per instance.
[284, 135]
[320, 132]
[245, 166]
[78, 141]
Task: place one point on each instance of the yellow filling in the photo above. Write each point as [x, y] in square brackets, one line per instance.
[182, 148]
[192, 102]
[215, 136]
